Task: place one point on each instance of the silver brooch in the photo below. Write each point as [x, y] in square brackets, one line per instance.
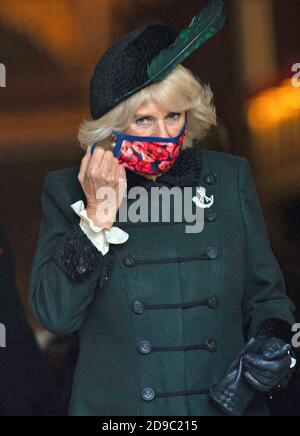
[201, 198]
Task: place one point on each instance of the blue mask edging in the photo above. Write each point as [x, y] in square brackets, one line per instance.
[120, 137]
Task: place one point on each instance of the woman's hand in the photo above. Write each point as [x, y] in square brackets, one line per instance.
[261, 366]
[271, 367]
[103, 180]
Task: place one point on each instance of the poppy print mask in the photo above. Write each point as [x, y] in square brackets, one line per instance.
[148, 154]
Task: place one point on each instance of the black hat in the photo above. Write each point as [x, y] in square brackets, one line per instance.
[147, 55]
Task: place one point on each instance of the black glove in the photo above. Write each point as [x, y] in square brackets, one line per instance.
[263, 365]
[270, 367]
[233, 394]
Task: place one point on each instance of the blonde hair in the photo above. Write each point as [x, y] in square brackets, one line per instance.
[179, 91]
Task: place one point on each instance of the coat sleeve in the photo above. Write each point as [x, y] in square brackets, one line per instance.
[67, 268]
[265, 290]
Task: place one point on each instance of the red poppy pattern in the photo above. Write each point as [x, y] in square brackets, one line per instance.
[149, 157]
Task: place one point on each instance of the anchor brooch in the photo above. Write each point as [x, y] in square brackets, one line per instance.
[201, 197]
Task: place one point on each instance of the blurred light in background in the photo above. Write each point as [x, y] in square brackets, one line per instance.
[275, 105]
[274, 121]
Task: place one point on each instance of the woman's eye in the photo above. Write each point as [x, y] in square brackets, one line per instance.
[140, 120]
[144, 120]
[174, 115]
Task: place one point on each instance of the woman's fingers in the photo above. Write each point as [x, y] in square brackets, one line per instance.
[122, 172]
[266, 378]
[122, 182]
[84, 164]
[268, 375]
[253, 361]
[107, 166]
[258, 386]
[275, 349]
[264, 374]
[95, 162]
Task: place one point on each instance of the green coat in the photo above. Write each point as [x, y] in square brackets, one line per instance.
[175, 309]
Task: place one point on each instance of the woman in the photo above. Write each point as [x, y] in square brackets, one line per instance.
[162, 313]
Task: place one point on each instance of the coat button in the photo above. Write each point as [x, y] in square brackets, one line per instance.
[138, 307]
[129, 260]
[212, 253]
[148, 394]
[211, 178]
[145, 347]
[213, 302]
[81, 269]
[210, 215]
[211, 345]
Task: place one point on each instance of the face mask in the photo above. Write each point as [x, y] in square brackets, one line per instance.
[148, 154]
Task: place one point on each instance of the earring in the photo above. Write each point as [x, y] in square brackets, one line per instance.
[113, 144]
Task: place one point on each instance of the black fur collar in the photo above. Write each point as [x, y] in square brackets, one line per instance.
[185, 172]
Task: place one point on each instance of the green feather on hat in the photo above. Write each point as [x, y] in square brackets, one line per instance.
[202, 28]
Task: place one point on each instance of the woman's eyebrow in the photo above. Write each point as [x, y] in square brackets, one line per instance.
[151, 116]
